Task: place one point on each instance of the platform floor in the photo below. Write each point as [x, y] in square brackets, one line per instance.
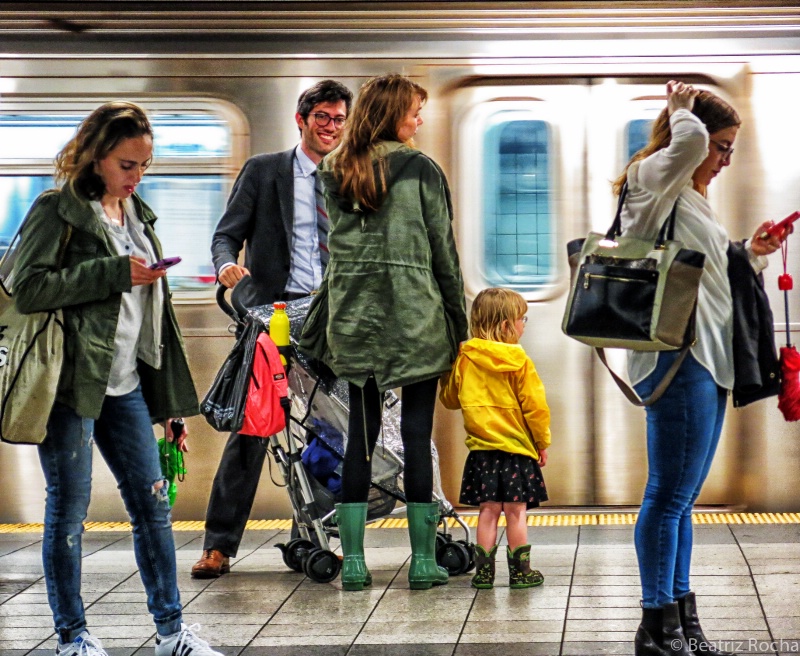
[747, 578]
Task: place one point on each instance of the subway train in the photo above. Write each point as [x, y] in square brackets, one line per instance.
[534, 108]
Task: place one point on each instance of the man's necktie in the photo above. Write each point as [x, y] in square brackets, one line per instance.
[323, 224]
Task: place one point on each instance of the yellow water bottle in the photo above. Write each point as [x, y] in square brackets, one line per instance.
[279, 327]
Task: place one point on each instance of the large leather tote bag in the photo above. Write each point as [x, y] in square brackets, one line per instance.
[633, 293]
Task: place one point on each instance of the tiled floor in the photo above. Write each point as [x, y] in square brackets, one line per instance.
[747, 579]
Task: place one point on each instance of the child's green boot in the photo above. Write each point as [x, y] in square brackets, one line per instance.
[484, 568]
[520, 574]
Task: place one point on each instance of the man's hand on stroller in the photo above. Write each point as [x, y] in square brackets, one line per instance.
[232, 274]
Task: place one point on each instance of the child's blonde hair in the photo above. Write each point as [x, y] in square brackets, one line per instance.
[494, 313]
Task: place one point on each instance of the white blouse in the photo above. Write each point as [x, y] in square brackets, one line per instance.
[654, 184]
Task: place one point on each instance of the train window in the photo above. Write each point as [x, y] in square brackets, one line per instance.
[519, 239]
[637, 135]
[186, 186]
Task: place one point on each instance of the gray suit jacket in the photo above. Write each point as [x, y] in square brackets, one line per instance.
[260, 213]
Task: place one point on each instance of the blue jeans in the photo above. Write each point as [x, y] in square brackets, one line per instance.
[124, 437]
[683, 429]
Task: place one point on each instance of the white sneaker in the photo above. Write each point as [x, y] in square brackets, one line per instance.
[185, 643]
[84, 645]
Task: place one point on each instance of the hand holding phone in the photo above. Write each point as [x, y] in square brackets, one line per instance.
[780, 226]
[166, 263]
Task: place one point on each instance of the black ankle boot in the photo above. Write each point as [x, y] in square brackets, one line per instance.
[687, 607]
[660, 633]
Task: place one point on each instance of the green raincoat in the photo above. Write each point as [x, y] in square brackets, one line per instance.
[89, 288]
[396, 306]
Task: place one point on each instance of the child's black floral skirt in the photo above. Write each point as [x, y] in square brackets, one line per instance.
[501, 476]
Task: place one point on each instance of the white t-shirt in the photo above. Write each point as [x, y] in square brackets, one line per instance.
[128, 240]
[654, 184]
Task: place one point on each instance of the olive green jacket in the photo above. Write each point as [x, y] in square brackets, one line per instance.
[395, 293]
[89, 287]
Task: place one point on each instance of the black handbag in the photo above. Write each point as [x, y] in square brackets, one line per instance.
[223, 405]
[634, 293]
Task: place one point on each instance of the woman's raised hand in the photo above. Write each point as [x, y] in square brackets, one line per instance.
[772, 243]
[141, 274]
[680, 96]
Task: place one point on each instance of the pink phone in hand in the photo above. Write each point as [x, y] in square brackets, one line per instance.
[166, 263]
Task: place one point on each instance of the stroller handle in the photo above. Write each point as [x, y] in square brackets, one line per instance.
[235, 309]
[223, 304]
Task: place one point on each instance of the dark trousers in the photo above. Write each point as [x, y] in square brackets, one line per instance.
[416, 425]
[233, 492]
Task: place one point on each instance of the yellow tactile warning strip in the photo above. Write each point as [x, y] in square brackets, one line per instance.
[599, 519]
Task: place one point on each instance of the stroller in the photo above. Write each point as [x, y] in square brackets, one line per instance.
[308, 455]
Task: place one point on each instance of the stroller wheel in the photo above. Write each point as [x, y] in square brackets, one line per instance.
[322, 566]
[294, 553]
[454, 557]
[442, 540]
[471, 550]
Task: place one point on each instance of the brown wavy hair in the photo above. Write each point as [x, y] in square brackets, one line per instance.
[97, 135]
[713, 111]
[381, 104]
[494, 312]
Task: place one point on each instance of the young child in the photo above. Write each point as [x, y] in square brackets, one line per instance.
[507, 421]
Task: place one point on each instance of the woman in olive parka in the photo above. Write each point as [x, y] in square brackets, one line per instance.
[396, 306]
[86, 248]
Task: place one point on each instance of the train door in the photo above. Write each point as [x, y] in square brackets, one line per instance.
[534, 163]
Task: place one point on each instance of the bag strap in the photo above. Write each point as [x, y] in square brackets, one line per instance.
[632, 396]
[664, 383]
[666, 233]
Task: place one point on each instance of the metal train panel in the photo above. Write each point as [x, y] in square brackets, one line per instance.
[576, 85]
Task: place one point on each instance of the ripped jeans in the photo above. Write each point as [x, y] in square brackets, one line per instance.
[124, 437]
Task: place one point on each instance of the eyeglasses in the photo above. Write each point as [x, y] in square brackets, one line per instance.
[524, 320]
[722, 149]
[322, 119]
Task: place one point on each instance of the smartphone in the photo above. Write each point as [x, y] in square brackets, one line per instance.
[780, 225]
[166, 263]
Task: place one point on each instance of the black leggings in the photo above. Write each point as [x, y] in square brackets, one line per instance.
[416, 425]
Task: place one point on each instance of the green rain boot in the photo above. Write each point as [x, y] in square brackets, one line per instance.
[351, 519]
[520, 574]
[423, 518]
[484, 568]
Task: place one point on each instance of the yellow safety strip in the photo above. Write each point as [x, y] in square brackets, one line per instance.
[600, 519]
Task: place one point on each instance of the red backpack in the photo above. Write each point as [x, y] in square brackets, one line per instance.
[263, 414]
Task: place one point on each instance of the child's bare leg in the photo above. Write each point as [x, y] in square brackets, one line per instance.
[516, 524]
[487, 523]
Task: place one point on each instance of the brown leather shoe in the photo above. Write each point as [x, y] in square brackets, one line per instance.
[212, 565]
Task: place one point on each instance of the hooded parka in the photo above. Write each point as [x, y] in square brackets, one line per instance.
[88, 287]
[395, 293]
[501, 397]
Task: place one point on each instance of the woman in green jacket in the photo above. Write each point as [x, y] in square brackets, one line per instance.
[86, 248]
[396, 306]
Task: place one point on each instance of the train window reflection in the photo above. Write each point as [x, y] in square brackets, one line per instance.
[176, 135]
[186, 186]
[518, 224]
[637, 135]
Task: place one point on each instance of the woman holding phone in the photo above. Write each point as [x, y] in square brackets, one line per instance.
[87, 248]
[691, 144]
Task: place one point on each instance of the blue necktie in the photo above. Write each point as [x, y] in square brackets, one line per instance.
[323, 224]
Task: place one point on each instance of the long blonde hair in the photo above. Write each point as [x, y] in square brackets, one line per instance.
[97, 135]
[494, 313]
[381, 104]
[713, 111]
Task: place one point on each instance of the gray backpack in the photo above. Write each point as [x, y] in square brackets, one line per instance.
[31, 354]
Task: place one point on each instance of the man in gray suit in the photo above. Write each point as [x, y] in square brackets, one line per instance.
[272, 211]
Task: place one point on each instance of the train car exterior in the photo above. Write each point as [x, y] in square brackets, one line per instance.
[534, 107]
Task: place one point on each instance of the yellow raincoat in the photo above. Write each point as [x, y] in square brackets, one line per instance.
[501, 396]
